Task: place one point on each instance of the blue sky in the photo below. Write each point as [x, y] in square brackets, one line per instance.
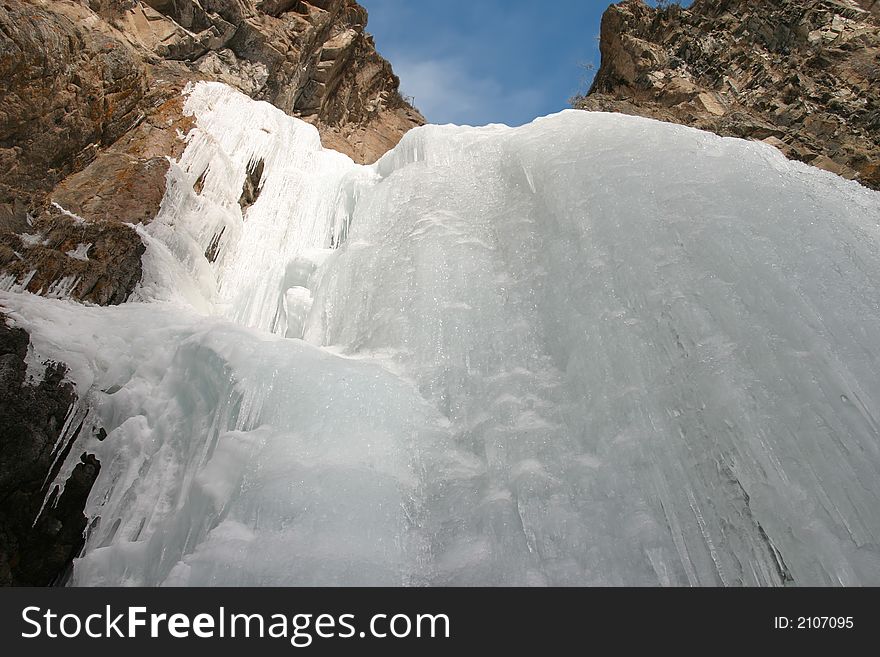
[488, 61]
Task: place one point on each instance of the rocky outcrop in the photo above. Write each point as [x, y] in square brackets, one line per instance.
[37, 542]
[91, 110]
[314, 60]
[65, 91]
[62, 256]
[802, 75]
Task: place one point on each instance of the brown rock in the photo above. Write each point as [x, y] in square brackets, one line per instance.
[66, 89]
[97, 261]
[802, 73]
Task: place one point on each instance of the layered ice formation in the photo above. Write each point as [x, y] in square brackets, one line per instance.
[593, 350]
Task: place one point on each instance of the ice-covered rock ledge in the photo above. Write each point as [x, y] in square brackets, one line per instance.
[596, 349]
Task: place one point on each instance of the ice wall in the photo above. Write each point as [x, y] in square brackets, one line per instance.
[596, 349]
[207, 249]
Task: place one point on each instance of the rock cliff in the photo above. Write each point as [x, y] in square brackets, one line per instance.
[36, 404]
[802, 75]
[91, 108]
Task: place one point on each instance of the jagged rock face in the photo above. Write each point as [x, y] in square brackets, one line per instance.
[91, 108]
[802, 75]
[311, 59]
[100, 262]
[67, 89]
[36, 543]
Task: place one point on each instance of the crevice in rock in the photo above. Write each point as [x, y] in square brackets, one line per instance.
[199, 184]
[250, 191]
[213, 249]
[277, 7]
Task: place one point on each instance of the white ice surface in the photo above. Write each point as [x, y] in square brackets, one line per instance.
[596, 349]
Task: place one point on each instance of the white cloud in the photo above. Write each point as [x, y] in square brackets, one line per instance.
[446, 91]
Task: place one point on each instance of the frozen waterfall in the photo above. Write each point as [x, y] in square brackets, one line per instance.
[593, 350]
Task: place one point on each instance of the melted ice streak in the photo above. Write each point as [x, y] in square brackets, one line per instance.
[596, 349]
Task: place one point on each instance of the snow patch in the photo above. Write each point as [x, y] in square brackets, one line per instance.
[30, 240]
[81, 252]
[67, 213]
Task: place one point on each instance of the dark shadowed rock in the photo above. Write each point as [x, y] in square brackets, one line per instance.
[251, 189]
[32, 414]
